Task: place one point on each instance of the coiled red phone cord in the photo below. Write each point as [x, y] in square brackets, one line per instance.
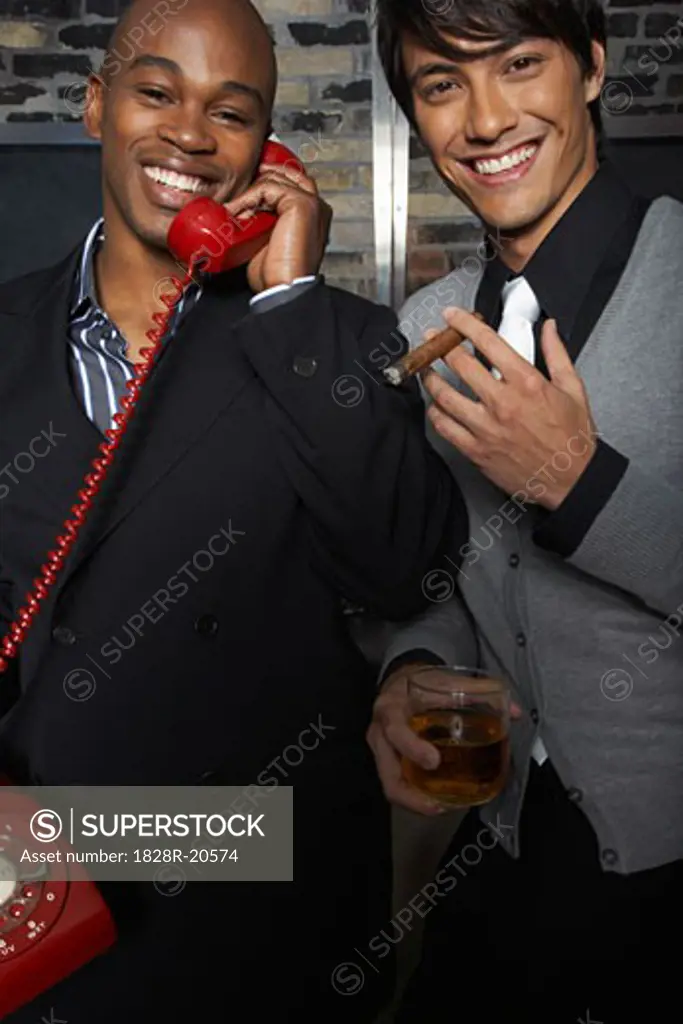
[92, 483]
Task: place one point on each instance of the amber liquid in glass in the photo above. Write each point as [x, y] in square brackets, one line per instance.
[474, 746]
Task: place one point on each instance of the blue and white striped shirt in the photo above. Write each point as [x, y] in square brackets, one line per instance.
[99, 364]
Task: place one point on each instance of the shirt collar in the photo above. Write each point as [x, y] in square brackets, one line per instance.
[84, 285]
[563, 267]
[85, 291]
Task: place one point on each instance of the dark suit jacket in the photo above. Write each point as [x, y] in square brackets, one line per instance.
[277, 429]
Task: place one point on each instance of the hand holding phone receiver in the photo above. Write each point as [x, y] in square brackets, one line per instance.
[50, 929]
[206, 234]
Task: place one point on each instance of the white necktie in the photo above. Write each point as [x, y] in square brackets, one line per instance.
[520, 312]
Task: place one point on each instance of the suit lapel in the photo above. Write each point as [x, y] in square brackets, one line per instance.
[198, 375]
[38, 402]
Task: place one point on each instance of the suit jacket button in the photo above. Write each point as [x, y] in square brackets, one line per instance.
[610, 857]
[304, 366]
[206, 625]
[535, 717]
[64, 636]
[575, 795]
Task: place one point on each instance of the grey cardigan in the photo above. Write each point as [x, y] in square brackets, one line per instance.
[590, 644]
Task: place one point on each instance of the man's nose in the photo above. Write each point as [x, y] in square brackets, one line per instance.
[489, 113]
[187, 128]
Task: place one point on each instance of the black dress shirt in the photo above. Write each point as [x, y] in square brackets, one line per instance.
[100, 367]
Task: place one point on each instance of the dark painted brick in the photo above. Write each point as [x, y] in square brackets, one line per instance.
[36, 116]
[75, 93]
[627, 86]
[311, 33]
[47, 65]
[19, 92]
[2, 63]
[638, 110]
[86, 37]
[622, 26]
[448, 233]
[353, 92]
[356, 6]
[648, 59]
[310, 121]
[43, 8]
[674, 87]
[642, 3]
[659, 24]
[107, 8]
[358, 120]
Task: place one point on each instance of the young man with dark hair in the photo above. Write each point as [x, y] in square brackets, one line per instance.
[563, 424]
[240, 670]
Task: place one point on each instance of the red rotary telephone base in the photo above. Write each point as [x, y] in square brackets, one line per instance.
[48, 928]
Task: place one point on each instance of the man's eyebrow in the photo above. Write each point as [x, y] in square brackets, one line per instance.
[229, 85]
[461, 57]
[147, 60]
[244, 90]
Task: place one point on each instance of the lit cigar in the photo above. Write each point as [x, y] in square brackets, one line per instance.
[426, 354]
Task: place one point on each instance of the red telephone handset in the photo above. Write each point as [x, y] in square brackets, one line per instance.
[204, 233]
[49, 929]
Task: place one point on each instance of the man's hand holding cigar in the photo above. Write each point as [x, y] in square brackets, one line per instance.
[521, 422]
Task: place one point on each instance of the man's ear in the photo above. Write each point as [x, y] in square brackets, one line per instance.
[596, 79]
[94, 106]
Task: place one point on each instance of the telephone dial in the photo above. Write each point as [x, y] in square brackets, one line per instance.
[49, 928]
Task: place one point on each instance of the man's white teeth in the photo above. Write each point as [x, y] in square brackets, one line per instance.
[183, 182]
[507, 162]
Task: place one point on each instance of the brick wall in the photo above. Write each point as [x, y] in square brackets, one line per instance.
[324, 105]
[646, 58]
